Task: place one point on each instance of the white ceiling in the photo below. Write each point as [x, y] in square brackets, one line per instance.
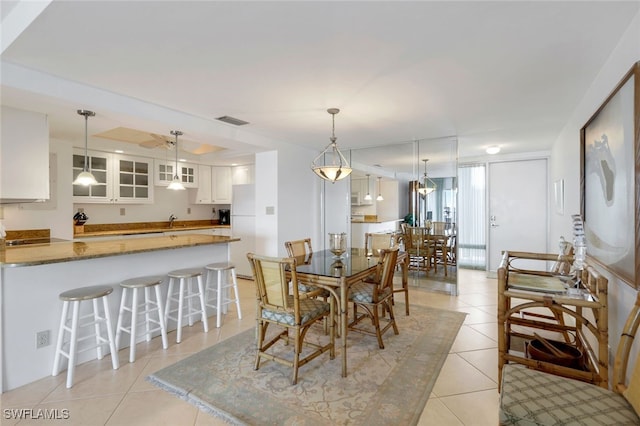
[506, 73]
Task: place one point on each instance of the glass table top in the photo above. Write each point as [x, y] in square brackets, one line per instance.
[325, 263]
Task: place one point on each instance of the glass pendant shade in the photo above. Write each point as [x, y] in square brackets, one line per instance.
[428, 186]
[85, 178]
[368, 196]
[176, 184]
[336, 166]
[379, 197]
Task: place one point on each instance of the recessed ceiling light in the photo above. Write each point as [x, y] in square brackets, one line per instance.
[118, 151]
[182, 160]
[493, 149]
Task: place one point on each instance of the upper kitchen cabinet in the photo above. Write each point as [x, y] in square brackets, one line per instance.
[221, 185]
[24, 156]
[243, 175]
[166, 170]
[359, 190]
[214, 185]
[121, 179]
[202, 194]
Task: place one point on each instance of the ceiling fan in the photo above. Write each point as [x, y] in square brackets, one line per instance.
[152, 140]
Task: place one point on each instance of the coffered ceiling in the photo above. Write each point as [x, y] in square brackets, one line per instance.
[487, 73]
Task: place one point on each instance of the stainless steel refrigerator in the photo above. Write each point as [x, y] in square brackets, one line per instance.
[243, 217]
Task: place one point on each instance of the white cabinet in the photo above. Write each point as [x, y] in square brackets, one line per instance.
[202, 194]
[24, 156]
[359, 189]
[243, 175]
[214, 185]
[166, 170]
[121, 179]
[221, 185]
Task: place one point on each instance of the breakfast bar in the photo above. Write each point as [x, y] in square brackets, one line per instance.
[32, 277]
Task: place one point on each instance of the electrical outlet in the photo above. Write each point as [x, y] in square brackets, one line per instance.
[188, 210]
[122, 211]
[43, 338]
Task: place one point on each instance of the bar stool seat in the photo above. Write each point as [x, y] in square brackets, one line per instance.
[219, 293]
[148, 307]
[185, 279]
[74, 297]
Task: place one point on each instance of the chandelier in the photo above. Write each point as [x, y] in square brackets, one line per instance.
[338, 166]
[428, 186]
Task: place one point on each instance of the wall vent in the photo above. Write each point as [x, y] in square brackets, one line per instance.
[232, 120]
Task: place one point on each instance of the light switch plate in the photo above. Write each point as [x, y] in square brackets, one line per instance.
[270, 210]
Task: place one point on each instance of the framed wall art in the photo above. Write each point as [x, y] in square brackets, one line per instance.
[610, 180]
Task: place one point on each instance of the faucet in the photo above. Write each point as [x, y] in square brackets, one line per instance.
[171, 219]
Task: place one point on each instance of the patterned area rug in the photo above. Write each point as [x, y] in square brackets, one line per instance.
[388, 386]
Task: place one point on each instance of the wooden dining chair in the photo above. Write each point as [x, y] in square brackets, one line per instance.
[415, 243]
[302, 251]
[373, 295]
[375, 242]
[283, 307]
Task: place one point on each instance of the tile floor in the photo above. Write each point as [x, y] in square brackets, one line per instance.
[464, 394]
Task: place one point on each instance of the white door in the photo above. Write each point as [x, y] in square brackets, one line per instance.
[517, 209]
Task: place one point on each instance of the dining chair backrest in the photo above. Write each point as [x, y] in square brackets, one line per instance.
[272, 285]
[384, 272]
[374, 242]
[300, 249]
[415, 238]
[438, 228]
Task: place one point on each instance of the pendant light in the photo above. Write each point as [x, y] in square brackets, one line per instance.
[379, 197]
[338, 168]
[428, 185]
[85, 178]
[368, 196]
[176, 184]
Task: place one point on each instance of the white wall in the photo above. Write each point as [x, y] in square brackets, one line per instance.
[565, 164]
[298, 197]
[267, 191]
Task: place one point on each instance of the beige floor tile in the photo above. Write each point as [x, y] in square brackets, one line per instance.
[31, 394]
[458, 376]
[205, 419]
[153, 408]
[474, 409]
[485, 360]
[437, 414]
[475, 315]
[85, 412]
[154, 364]
[469, 339]
[489, 329]
[478, 299]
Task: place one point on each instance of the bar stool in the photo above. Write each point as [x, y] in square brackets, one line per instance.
[185, 276]
[148, 307]
[75, 297]
[220, 291]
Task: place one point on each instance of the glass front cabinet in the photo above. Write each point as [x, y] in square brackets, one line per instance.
[121, 179]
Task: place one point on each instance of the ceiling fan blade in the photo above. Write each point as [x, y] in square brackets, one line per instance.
[152, 143]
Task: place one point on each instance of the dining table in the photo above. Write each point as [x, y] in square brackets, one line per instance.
[337, 274]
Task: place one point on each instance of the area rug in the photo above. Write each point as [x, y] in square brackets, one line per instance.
[388, 386]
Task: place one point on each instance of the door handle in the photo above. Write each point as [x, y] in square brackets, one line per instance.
[493, 225]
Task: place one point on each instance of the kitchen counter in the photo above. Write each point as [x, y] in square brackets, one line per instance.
[33, 276]
[38, 254]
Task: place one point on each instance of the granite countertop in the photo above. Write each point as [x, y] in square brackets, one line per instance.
[146, 230]
[138, 228]
[375, 219]
[39, 254]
